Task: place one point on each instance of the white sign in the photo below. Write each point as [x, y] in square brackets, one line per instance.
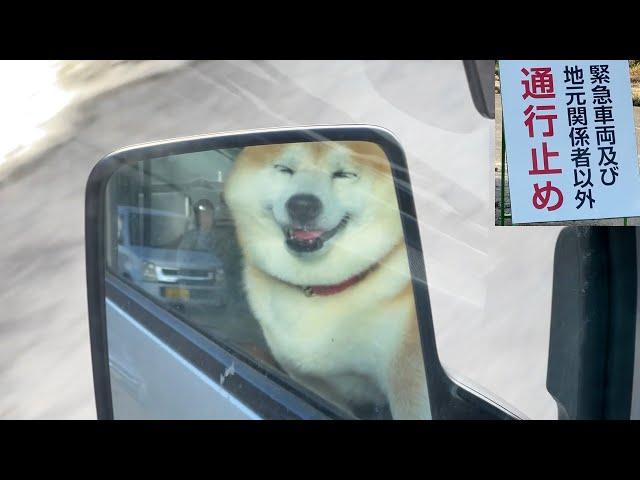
[570, 139]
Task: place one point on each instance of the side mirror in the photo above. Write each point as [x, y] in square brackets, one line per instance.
[303, 295]
[481, 78]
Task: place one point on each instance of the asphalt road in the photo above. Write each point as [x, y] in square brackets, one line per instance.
[45, 369]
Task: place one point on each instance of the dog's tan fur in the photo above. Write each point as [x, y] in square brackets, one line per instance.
[360, 345]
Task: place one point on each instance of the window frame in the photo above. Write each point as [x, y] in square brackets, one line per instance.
[257, 388]
[448, 397]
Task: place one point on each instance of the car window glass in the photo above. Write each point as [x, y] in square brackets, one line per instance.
[184, 237]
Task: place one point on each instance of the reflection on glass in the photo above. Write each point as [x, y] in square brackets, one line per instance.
[292, 253]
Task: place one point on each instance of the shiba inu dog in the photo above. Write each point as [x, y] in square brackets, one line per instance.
[326, 271]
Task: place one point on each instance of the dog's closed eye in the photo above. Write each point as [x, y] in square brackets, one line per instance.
[343, 174]
[284, 169]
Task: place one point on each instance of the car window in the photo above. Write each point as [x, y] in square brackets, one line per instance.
[184, 238]
[195, 276]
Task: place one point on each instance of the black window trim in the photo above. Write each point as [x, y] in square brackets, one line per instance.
[480, 77]
[448, 399]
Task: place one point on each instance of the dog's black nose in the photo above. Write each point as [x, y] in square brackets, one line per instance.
[304, 208]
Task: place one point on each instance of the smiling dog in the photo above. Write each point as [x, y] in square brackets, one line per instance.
[326, 271]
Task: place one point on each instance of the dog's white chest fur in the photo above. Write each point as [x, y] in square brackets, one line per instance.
[344, 341]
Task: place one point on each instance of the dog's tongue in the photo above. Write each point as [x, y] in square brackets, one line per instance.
[306, 234]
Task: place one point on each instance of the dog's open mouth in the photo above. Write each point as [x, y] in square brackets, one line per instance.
[309, 240]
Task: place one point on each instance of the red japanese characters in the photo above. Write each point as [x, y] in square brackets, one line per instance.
[538, 84]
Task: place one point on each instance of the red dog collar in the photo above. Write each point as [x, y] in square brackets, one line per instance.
[326, 290]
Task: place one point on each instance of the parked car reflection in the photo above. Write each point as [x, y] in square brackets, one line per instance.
[149, 256]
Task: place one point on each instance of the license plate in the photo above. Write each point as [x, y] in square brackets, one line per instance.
[176, 293]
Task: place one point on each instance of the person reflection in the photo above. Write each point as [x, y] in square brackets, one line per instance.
[201, 238]
[218, 241]
[197, 259]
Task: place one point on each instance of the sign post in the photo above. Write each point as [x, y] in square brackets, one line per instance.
[570, 140]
